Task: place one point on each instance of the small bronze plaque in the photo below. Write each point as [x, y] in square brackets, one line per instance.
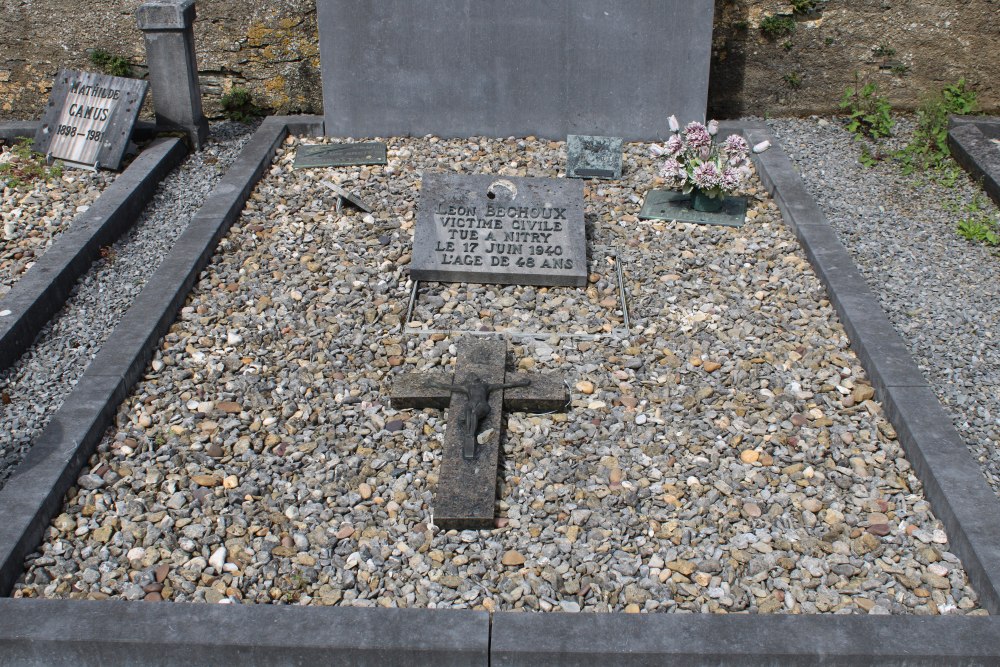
[340, 155]
[673, 205]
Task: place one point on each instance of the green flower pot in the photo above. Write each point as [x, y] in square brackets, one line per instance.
[705, 204]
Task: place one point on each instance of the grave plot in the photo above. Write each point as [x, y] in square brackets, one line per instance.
[727, 456]
[34, 212]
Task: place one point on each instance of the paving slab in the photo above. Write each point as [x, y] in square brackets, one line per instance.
[60, 632]
[648, 640]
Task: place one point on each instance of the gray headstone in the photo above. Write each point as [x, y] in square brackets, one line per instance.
[593, 157]
[89, 118]
[499, 229]
[458, 68]
[340, 155]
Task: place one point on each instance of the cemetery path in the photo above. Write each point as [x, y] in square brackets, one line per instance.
[34, 387]
[941, 292]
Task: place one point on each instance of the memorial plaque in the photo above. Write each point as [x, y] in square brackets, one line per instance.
[593, 157]
[499, 229]
[673, 205]
[89, 118]
[340, 155]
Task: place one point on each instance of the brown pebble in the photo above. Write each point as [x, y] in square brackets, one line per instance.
[205, 480]
[229, 407]
[880, 529]
[153, 597]
[512, 558]
[161, 572]
[345, 532]
[215, 450]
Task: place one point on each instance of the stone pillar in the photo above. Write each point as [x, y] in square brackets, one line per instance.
[173, 72]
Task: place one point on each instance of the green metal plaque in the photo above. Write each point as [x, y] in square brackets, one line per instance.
[594, 157]
[673, 205]
[340, 155]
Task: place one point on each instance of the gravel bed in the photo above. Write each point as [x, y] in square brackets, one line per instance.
[728, 456]
[34, 388]
[941, 292]
[33, 215]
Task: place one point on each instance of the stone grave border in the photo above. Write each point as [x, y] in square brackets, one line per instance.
[46, 286]
[51, 632]
[969, 140]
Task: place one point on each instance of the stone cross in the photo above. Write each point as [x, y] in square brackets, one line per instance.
[466, 492]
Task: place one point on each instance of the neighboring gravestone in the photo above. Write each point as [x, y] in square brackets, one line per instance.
[498, 229]
[168, 28]
[466, 492]
[89, 118]
[458, 68]
[593, 157]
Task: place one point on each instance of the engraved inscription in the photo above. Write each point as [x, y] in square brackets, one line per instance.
[501, 236]
[485, 229]
[90, 117]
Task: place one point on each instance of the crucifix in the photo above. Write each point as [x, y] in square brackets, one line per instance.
[475, 399]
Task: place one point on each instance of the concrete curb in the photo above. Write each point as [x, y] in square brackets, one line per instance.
[969, 140]
[113, 632]
[37, 632]
[953, 481]
[11, 131]
[648, 640]
[46, 286]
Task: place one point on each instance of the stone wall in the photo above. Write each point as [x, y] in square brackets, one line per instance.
[911, 48]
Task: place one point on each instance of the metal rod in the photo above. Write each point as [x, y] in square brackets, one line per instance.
[621, 291]
[537, 335]
[413, 302]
